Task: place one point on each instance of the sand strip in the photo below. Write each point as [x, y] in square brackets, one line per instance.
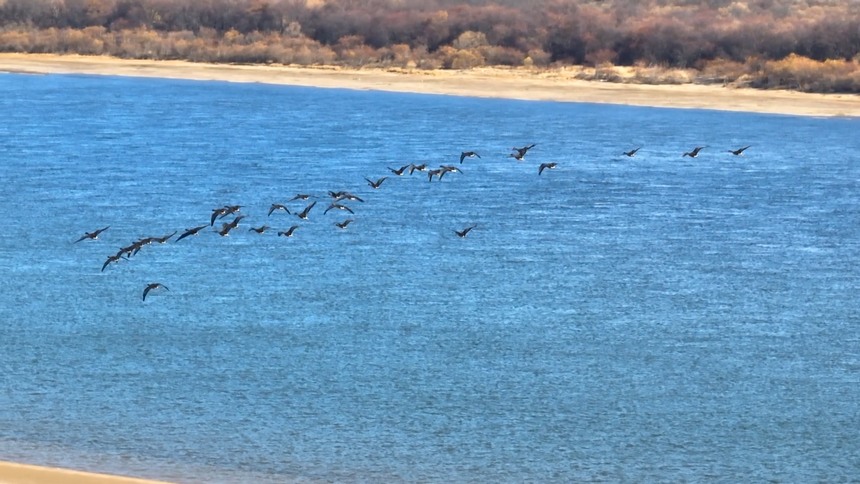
[12, 473]
[554, 85]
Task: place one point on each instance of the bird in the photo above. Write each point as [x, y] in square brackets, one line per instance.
[112, 259]
[632, 153]
[546, 166]
[92, 235]
[739, 151]
[154, 285]
[521, 152]
[338, 196]
[288, 232]
[163, 240]
[216, 213]
[189, 232]
[300, 196]
[464, 232]
[304, 213]
[259, 230]
[342, 225]
[399, 171]
[432, 173]
[517, 156]
[695, 152]
[338, 206]
[375, 184]
[413, 167]
[468, 154]
[227, 227]
[447, 168]
[278, 206]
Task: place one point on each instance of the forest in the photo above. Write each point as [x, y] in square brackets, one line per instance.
[806, 45]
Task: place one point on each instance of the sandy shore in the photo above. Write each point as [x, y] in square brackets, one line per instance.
[11, 473]
[555, 85]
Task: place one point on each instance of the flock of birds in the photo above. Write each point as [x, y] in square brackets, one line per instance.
[338, 202]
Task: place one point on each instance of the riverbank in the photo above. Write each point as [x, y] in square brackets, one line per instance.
[521, 83]
[13, 473]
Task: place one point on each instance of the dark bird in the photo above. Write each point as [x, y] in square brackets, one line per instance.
[342, 225]
[338, 206]
[739, 151]
[399, 171]
[632, 153]
[216, 213]
[288, 232]
[154, 285]
[163, 240]
[521, 152]
[464, 232]
[375, 184]
[300, 196]
[546, 166]
[432, 173]
[451, 168]
[413, 167]
[278, 206]
[92, 235]
[260, 230]
[517, 156]
[112, 259]
[304, 213]
[227, 227]
[338, 196]
[191, 231]
[468, 154]
[695, 152]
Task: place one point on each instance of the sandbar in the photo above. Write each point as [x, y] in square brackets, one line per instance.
[488, 82]
[12, 473]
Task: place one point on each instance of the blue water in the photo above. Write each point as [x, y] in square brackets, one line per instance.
[655, 318]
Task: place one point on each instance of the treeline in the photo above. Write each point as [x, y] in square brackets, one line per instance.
[757, 42]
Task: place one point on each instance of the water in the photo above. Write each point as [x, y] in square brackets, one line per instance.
[654, 318]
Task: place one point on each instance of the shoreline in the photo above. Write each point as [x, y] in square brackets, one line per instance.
[558, 85]
[14, 473]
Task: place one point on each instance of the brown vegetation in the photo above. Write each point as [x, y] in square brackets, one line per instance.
[809, 45]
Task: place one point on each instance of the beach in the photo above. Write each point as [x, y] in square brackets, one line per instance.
[537, 85]
[12, 473]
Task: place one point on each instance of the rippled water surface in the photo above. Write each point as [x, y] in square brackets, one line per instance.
[654, 318]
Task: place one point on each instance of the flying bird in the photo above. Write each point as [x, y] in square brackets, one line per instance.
[191, 231]
[468, 154]
[112, 259]
[278, 206]
[154, 285]
[413, 167]
[259, 230]
[631, 153]
[288, 232]
[399, 171]
[521, 152]
[338, 206]
[304, 213]
[695, 152]
[739, 151]
[342, 225]
[163, 240]
[92, 235]
[227, 227]
[300, 196]
[375, 184]
[546, 166]
[464, 232]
